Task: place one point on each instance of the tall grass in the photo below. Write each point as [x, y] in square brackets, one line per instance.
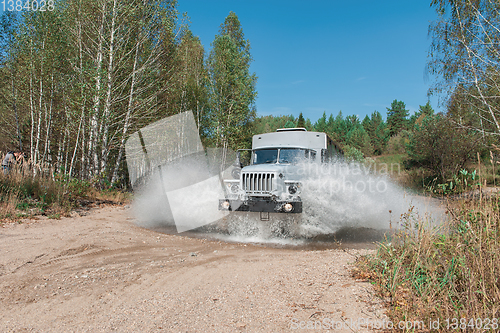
[24, 194]
[442, 272]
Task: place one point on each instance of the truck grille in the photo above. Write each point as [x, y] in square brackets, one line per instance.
[257, 182]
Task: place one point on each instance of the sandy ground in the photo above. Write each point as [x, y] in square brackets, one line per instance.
[101, 273]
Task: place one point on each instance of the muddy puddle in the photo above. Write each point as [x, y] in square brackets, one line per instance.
[344, 238]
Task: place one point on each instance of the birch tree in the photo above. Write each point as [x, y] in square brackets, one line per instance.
[465, 55]
[154, 34]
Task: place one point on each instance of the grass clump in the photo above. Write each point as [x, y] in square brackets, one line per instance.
[442, 272]
[23, 195]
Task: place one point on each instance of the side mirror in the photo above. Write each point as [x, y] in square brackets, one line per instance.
[237, 162]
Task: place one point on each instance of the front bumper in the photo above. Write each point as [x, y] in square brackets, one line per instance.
[268, 206]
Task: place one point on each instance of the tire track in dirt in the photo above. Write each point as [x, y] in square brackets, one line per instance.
[101, 273]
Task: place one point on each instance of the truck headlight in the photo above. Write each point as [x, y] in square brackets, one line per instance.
[236, 173]
[235, 188]
[292, 189]
[288, 207]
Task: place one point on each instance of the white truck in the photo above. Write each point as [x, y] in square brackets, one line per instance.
[271, 183]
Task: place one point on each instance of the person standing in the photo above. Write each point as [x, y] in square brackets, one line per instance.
[9, 160]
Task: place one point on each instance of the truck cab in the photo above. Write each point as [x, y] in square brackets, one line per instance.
[271, 183]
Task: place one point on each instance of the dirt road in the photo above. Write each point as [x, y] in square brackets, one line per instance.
[101, 273]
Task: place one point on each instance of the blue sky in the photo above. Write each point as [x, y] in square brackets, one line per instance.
[328, 55]
[315, 56]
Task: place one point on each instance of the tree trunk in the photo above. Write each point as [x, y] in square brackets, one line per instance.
[14, 106]
[39, 123]
[127, 117]
[94, 132]
[107, 105]
[48, 125]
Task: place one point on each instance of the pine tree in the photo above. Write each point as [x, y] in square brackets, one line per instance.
[376, 129]
[231, 86]
[301, 121]
[397, 117]
[320, 125]
[423, 111]
[358, 138]
[339, 128]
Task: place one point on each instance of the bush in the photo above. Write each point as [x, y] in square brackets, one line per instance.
[462, 182]
[438, 145]
[397, 143]
[352, 154]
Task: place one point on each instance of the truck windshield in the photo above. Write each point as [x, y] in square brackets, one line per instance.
[286, 156]
[292, 155]
[262, 156]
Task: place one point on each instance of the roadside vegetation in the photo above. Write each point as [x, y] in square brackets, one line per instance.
[24, 195]
[446, 271]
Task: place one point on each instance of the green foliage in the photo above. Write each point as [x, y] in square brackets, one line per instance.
[77, 187]
[32, 192]
[321, 124]
[191, 91]
[465, 58]
[439, 146]
[309, 126]
[459, 183]
[51, 195]
[101, 70]
[231, 86]
[397, 117]
[376, 129]
[359, 139]
[267, 124]
[352, 154]
[301, 121]
[398, 143]
[338, 128]
[423, 111]
[369, 136]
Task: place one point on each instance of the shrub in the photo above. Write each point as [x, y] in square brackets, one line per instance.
[352, 154]
[397, 143]
[439, 146]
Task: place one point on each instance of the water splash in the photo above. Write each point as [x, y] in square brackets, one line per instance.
[341, 195]
[178, 183]
[340, 201]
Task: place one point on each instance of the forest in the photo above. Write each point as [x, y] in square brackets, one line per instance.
[80, 77]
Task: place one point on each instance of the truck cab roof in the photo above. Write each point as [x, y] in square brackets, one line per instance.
[290, 137]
